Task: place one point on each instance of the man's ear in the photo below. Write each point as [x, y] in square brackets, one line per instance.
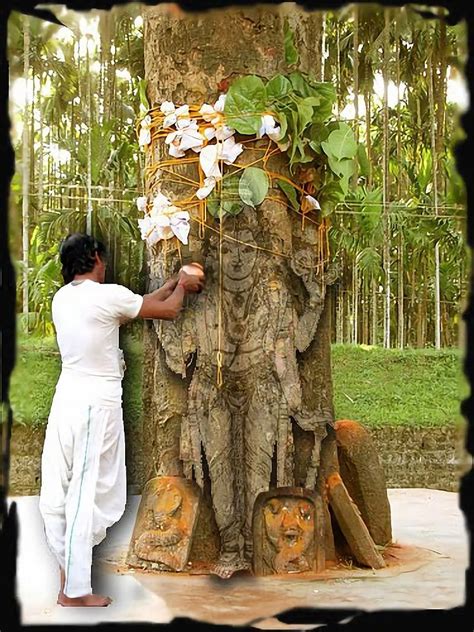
[97, 257]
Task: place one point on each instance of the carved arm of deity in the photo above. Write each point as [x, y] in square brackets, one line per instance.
[315, 283]
[178, 340]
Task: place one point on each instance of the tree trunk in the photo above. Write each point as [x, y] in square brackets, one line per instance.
[386, 182]
[253, 44]
[356, 88]
[399, 197]
[355, 308]
[89, 145]
[40, 150]
[26, 168]
[374, 312]
[434, 154]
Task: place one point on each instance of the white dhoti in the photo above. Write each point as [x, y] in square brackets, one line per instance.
[83, 476]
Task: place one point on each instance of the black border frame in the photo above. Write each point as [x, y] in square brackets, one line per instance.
[458, 618]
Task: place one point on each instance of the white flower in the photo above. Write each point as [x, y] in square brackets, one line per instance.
[220, 103]
[144, 137]
[141, 203]
[173, 221]
[224, 132]
[312, 202]
[182, 117]
[230, 150]
[183, 139]
[164, 221]
[269, 127]
[210, 133]
[148, 230]
[209, 184]
[212, 154]
[213, 114]
[169, 110]
[208, 161]
[207, 112]
[160, 202]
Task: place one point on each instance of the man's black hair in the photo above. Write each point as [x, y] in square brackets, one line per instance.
[77, 254]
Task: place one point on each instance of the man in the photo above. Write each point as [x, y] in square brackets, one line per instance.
[83, 486]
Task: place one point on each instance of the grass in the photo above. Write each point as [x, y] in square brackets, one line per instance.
[386, 386]
[372, 385]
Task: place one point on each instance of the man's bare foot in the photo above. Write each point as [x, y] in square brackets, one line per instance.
[84, 601]
[228, 564]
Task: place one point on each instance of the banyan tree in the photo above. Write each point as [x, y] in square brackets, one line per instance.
[245, 466]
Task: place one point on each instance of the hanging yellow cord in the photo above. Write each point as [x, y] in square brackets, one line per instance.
[221, 289]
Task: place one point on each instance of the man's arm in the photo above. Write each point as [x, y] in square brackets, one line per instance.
[166, 302]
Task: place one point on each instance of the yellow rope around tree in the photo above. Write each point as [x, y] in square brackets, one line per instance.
[157, 132]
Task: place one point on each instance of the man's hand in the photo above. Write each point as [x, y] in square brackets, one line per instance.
[190, 283]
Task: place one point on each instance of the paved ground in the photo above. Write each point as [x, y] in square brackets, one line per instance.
[428, 525]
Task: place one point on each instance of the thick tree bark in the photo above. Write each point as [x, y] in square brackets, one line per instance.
[186, 63]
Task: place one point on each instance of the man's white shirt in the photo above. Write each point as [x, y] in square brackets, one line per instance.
[87, 316]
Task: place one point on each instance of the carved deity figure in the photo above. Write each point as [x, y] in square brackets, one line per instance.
[165, 522]
[289, 526]
[248, 319]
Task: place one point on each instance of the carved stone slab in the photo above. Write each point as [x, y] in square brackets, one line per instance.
[288, 532]
[165, 523]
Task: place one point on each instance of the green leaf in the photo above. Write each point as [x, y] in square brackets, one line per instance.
[300, 85]
[318, 132]
[291, 53]
[329, 195]
[340, 143]
[245, 103]
[142, 85]
[228, 198]
[277, 87]
[305, 114]
[290, 193]
[326, 93]
[363, 160]
[371, 210]
[342, 168]
[283, 122]
[253, 186]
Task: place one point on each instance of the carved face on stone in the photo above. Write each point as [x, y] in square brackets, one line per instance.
[289, 523]
[238, 259]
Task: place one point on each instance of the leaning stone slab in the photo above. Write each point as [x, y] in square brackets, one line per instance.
[364, 478]
[352, 526]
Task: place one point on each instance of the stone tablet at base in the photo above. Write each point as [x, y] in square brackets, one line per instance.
[165, 524]
[288, 532]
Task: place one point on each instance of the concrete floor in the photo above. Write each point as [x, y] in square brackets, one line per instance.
[429, 574]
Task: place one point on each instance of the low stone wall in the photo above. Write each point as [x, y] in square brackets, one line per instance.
[411, 457]
[434, 458]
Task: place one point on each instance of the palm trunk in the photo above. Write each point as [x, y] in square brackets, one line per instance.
[323, 44]
[89, 148]
[26, 168]
[399, 195]
[355, 303]
[374, 312]
[41, 150]
[356, 88]
[368, 141]
[386, 184]
[437, 323]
